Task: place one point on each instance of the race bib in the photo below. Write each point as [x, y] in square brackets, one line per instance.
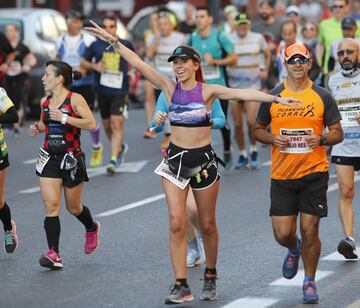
[163, 170]
[297, 143]
[42, 159]
[14, 68]
[348, 114]
[112, 80]
[211, 71]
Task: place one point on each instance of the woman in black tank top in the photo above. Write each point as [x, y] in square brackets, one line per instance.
[61, 162]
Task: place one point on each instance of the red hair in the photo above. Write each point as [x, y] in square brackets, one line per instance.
[199, 76]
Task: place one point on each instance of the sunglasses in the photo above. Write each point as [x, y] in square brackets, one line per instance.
[108, 27]
[300, 60]
[334, 7]
[309, 29]
[349, 52]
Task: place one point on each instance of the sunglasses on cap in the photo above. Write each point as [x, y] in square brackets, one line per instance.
[349, 52]
[300, 60]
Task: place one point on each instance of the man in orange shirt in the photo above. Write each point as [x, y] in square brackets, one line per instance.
[299, 171]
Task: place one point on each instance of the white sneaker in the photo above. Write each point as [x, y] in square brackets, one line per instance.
[193, 258]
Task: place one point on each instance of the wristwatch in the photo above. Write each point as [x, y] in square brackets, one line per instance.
[322, 140]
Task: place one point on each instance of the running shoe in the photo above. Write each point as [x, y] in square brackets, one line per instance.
[111, 167]
[96, 156]
[178, 295]
[254, 162]
[208, 292]
[193, 258]
[51, 260]
[92, 239]
[228, 160]
[149, 134]
[11, 239]
[291, 264]
[309, 293]
[124, 149]
[347, 248]
[242, 162]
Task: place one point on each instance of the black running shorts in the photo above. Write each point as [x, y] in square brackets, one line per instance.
[71, 178]
[347, 161]
[112, 105]
[195, 157]
[306, 195]
[4, 162]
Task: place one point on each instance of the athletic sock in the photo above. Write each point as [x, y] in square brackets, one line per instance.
[243, 153]
[210, 271]
[253, 148]
[113, 158]
[5, 217]
[309, 279]
[182, 282]
[95, 136]
[86, 219]
[52, 230]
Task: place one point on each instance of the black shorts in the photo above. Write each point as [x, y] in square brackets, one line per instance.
[346, 161]
[4, 162]
[87, 93]
[306, 195]
[195, 157]
[14, 86]
[112, 105]
[71, 178]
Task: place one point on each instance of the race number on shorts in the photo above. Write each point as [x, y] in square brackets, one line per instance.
[163, 170]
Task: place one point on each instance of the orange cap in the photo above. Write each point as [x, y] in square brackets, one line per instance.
[296, 49]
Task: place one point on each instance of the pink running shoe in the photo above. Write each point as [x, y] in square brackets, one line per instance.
[11, 239]
[92, 239]
[51, 260]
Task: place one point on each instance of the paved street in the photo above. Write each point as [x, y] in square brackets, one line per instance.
[132, 266]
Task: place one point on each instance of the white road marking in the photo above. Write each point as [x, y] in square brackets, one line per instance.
[267, 163]
[93, 172]
[335, 256]
[29, 161]
[355, 304]
[252, 302]
[299, 278]
[131, 206]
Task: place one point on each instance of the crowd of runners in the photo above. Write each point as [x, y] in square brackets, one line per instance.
[292, 75]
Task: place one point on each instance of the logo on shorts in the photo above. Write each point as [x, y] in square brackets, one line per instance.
[321, 206]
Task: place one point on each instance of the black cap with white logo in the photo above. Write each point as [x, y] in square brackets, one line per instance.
[185, 52]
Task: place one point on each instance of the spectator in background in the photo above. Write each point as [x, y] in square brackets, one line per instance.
[188, 25]
[311, 10]
[272, 79]
[230, 12]
[293, 13]
[330, 31]
[267, 21]
[348, 28]
[309, 34]
[17, 72]
[7, 55]
[355, 9]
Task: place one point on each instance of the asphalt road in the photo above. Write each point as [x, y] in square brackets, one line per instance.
[132, 266]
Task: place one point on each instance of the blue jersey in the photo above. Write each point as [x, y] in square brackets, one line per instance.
[215, 44]
[114, 81]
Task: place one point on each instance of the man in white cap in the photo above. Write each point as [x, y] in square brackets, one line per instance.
[293, 13]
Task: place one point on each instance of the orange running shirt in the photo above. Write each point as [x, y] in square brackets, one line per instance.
[317, 110]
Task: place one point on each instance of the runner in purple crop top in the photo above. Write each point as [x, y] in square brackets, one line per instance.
[190, 147]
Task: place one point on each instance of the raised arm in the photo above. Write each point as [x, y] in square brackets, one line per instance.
[213, 91]
[162, 82]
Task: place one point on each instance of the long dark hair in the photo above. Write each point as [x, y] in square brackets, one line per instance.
[65, 70]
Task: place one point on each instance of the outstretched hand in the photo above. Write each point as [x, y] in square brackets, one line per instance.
[100, 32]
[288, 101]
